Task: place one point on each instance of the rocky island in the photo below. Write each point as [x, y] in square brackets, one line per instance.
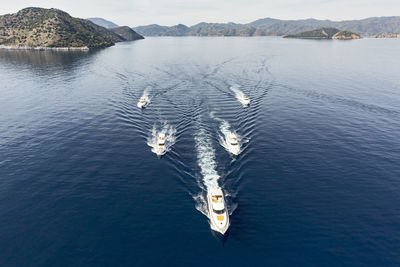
[325, 33]
[39, 28]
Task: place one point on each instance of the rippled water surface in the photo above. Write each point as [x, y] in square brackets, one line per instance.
[316, 182]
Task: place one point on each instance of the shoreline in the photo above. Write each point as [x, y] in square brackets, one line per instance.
[43, 48]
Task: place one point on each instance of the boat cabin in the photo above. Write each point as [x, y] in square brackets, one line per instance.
[216, 198]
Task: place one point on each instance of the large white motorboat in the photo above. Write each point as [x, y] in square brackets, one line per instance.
[232, 143]
[217, 210]
[161, 143]
[143, 102]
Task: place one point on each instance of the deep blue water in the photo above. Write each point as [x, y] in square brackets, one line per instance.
[317, 182]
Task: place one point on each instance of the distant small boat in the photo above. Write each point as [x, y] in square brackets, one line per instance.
[143, 102]
[232, 143]
[245, 100]
[240, 96]
[218, 213]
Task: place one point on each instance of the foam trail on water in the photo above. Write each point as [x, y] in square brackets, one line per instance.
[206, 159]
[146, 92]
[169, 132]
[201, 203]
[239, 94]
[207, 164]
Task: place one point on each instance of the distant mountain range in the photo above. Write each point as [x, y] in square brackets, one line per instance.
[275, 27]
[103, 23]
[53, 28]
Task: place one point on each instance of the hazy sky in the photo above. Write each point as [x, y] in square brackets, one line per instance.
[189, 12]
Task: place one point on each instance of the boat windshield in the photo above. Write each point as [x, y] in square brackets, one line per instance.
[219, 211]
[234, 144]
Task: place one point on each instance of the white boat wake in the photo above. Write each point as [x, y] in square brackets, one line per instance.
[206, 159]
[168, 133]
[240, 96]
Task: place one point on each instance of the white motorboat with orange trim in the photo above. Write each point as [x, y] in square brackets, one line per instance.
[217, 210]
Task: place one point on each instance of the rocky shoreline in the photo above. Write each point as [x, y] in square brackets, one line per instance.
[390, 35]
[41, 48]
[346, 35]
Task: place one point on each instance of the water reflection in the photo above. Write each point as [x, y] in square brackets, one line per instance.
[43, 59]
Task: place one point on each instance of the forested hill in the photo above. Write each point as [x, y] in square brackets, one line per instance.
[275, 27]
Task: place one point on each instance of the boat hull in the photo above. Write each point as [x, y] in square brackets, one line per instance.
[142, 105]
[233, 151]
[214, 223]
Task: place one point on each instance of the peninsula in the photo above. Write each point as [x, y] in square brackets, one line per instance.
[325, 33]
[39, 28]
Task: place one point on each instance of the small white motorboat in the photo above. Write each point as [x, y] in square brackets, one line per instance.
[232, 143]
[218, 213]
[161, 143]
[143, 102]
[245, 100]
